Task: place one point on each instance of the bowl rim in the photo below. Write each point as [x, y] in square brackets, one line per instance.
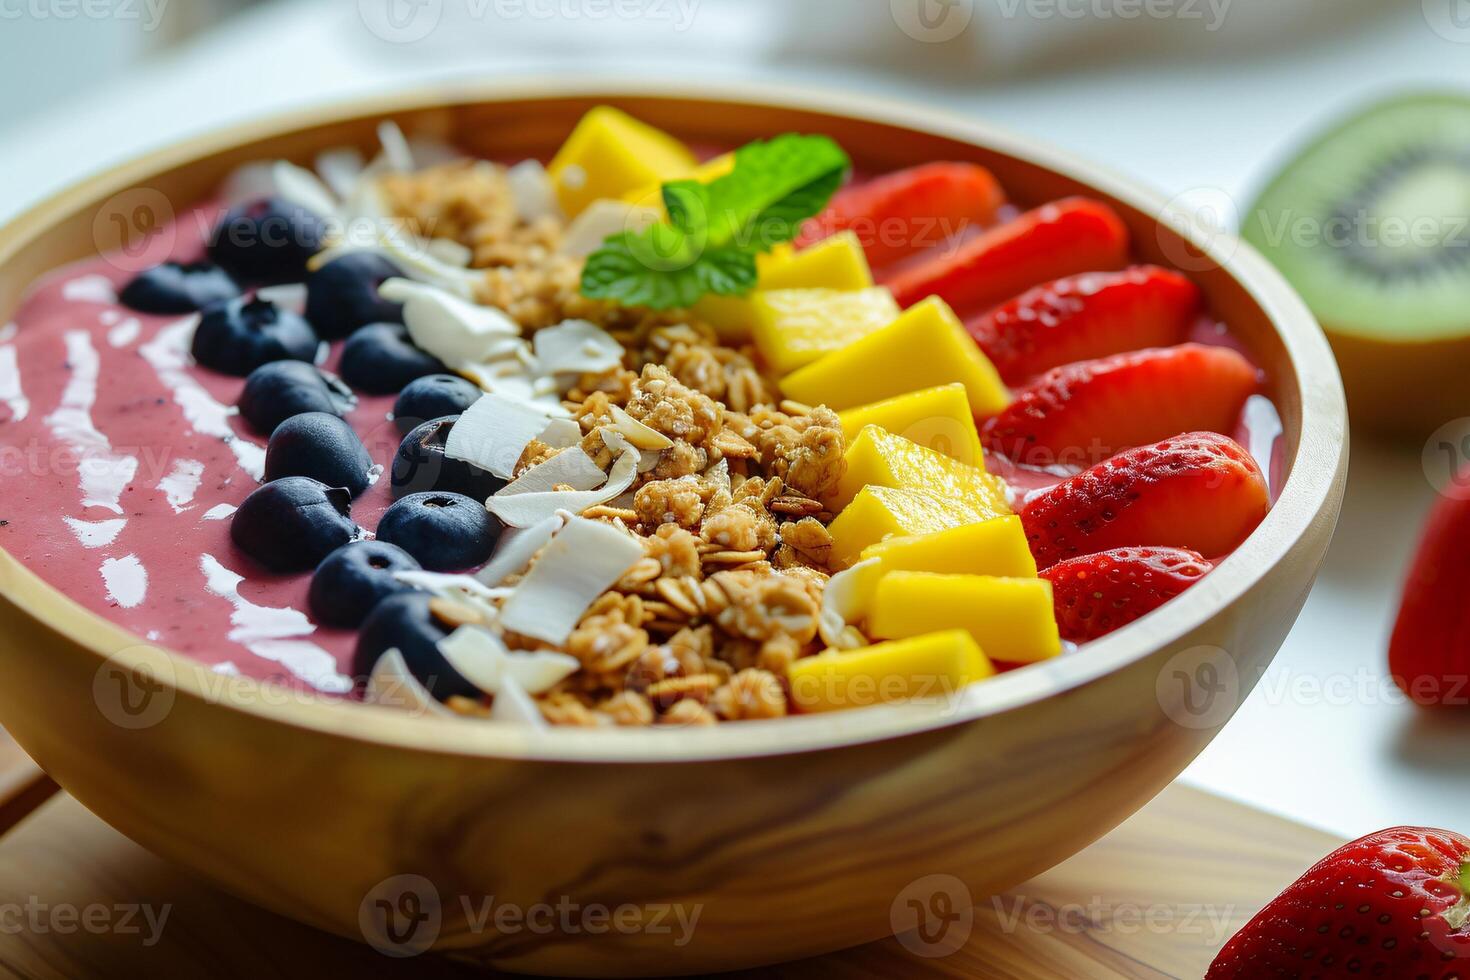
[1315, 471]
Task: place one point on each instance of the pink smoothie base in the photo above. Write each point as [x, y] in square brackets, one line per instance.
[122, 462]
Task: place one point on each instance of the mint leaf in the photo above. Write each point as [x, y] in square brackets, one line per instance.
[715, 230]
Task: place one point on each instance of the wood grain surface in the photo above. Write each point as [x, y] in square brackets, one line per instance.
[1154, 899]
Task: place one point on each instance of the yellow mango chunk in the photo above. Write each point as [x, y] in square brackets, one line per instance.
[652, 195]
[793, 327]
[1011, 618]
[877, 457]
[938, 417]
[994, 547]
[926, 346]
[837, 262]
[922, 667]
[610, 154]
[882, 512]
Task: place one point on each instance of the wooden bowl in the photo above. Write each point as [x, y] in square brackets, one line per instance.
[786, 838]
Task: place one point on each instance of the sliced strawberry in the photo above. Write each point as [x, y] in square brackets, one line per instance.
[1429, 653]
[1059, 239]
[1096, 594]
[1199, 490]
[899, 214]
[1091, 315]
[1084, 413]
[1392, 904]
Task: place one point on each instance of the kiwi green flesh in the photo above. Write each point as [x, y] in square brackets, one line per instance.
[1371, 223]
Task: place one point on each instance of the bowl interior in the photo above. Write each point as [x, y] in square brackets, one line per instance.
[530, 119]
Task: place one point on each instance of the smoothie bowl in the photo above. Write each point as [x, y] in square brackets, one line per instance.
[733, 512]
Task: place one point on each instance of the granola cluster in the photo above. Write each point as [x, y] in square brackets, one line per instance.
[730, 513]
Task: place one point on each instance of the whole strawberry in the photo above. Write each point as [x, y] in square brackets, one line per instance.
[1391, 905]
[1429, 653]
[1096, 594]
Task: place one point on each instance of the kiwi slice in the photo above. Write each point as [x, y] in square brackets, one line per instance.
[1371, 222]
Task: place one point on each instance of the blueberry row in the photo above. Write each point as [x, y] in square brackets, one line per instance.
[315, 464]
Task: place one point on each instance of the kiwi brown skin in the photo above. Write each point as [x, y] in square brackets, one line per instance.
[1404, 377]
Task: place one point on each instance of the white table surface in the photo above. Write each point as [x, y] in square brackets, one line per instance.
[1321, 739]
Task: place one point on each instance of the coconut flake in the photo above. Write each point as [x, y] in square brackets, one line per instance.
[638, 434]
[448, 326]
[526, 509]
[576, 347]
[572, 467]
[450, 252]
[392, 685]
[340, 170]
[842, 604]
[300, 186]
[581, 562]
[601, 220]
[396, 151]
[514, 706]
[493, 433]
[514, 555]
[291, 295]
[532, 192]
[483, 659]
[562, 433]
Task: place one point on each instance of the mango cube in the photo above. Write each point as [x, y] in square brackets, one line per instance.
[882, 512]
[938, 417]
[1012, 619]
[793, 327]
[837, 262]
[926, 346]
[994, 547]
[610, 154]
[652, 195]
[877, 457]
[922, 667]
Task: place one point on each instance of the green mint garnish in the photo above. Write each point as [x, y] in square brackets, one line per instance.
[715, 230]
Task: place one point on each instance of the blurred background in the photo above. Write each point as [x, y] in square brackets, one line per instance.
[1201, 98]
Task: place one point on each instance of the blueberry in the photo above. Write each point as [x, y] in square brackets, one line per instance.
[239, 335]
[276, 391]
[342, 295]
[322, 446]
[406, 622]
[356, 577]
[178, 287]
[433, 397]
[444, 531]
[291, 524]
[268, 240]
[380, 359]
[420, 465]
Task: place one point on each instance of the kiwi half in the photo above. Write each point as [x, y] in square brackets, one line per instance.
[1371, 224]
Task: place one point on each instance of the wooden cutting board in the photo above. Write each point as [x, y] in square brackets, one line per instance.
[1154, 899]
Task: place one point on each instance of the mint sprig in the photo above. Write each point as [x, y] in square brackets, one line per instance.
[716, 230]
